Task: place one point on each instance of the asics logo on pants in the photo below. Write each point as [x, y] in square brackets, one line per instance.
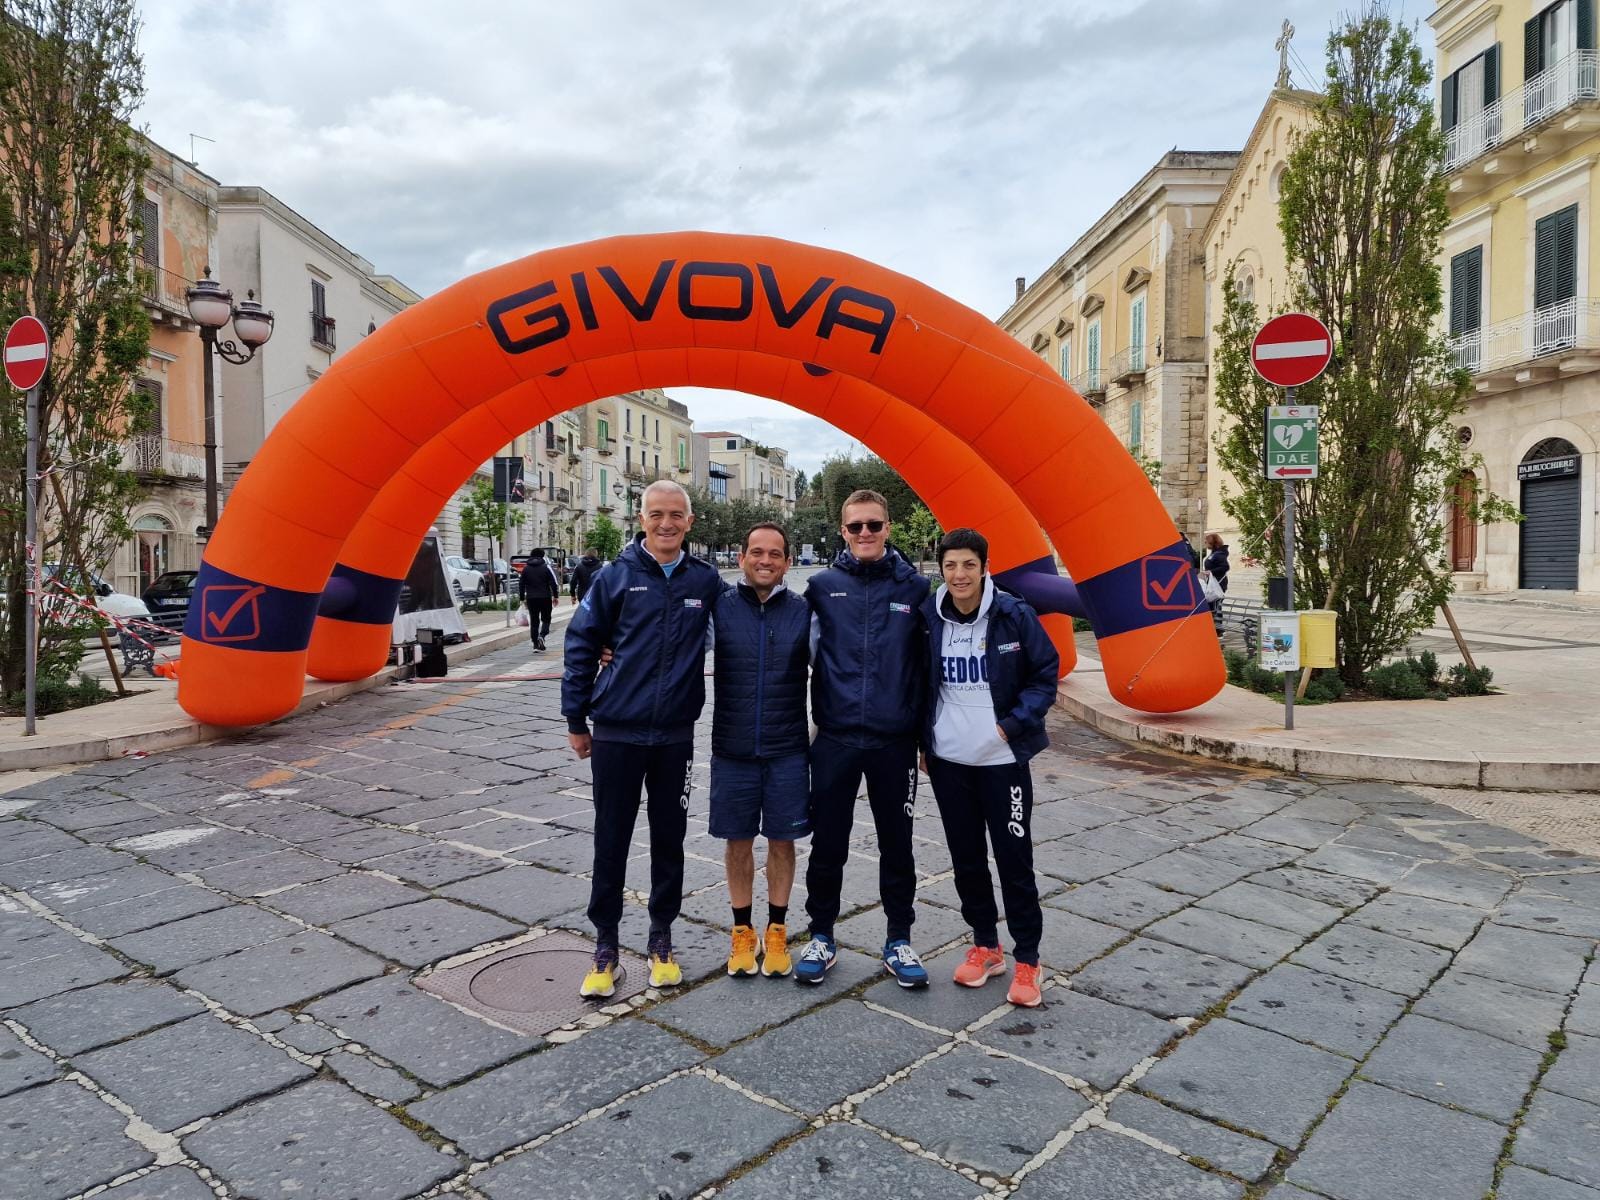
[910, 806]
[683, 800]
[1015, 825]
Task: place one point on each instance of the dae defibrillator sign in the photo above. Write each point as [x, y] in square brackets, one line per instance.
[1291, 446]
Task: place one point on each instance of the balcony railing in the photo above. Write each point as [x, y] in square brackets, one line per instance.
[1091, 385]
[1576, 78]
[1130, 365]
[167, 291]
[1571, 325]
[152, 454]
[322, 331]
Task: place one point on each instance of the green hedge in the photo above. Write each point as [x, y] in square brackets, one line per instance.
[1406, 678]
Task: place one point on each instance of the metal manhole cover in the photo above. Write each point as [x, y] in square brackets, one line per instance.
[533, 987]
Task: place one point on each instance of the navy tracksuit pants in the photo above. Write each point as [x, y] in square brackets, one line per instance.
[998, 799]
[620, 770]
[836, 773]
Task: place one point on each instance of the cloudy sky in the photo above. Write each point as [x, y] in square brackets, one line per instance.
[961, 143]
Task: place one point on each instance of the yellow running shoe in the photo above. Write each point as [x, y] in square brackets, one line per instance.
[601, 981]
[775, 962]
[664, 969]
[742, 959]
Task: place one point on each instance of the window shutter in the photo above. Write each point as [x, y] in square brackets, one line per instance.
[1447, 101]
[150, 231]
[1585, 22]
[1466, 291]
[1555, 257]
[319, 300]
[154, 423]
[1532, 49]
[1491, 75]
[1136, 334]
[1136, 426]
[1567, 253]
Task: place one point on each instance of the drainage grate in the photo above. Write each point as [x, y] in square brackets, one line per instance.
[533, 988]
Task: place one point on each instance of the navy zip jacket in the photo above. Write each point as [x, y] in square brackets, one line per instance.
[868, 677]
[654, 688]
[1023, 667]
[762, 652]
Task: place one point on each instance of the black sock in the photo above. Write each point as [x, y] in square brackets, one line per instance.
[777, 914]
[741, 916]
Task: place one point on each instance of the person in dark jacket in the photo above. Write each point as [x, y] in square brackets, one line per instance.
[761, 633]
[867, 683]
[540, 590]
[583, 574]
[992, 679]
[650, 608]
[1216, 566]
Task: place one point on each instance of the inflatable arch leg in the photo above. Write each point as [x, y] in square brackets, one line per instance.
[351, 637]
[662, 307]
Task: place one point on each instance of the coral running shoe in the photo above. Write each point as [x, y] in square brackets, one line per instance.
[1024, 991]
[775, 961]
[982, 964]
[742, 958]
[664, 969]
[601, 981]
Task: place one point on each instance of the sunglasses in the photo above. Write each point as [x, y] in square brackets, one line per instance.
[869, 526]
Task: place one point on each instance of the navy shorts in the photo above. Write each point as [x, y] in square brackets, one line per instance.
[769, 796]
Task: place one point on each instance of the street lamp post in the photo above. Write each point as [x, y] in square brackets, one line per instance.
[619, 491]
[212, 307]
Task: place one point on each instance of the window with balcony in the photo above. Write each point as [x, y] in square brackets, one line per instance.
[549, 435]
[683, 455]
[604, 490]
[1136, 427]
[602, 432]
[1136, 330]
[1555, 279]
[1558, 62]
[1066, 360]
[321, 322]
[1092, 357]
[1466, 307]
[1468, 113]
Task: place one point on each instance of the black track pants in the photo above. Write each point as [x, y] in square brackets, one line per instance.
[621, 770]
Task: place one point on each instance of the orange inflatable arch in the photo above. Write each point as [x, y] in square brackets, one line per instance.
[327, 516]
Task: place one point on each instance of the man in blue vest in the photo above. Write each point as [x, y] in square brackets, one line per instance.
[761, 635]
[868, 679]
[650, 608]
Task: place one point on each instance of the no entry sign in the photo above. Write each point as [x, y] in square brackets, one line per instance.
[27, 352]
[1291, 350]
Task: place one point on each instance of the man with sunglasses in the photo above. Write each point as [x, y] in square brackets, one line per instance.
[867, 683]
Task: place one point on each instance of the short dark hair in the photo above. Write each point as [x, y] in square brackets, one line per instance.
[536, 553]
[964, 539]
[772, 525]
[864, 496]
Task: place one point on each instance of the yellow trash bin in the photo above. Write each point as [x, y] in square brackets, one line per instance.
[1319, 642]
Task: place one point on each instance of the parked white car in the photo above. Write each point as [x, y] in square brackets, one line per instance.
[111, 602]
[464, 579]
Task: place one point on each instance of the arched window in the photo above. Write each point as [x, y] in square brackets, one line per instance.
[1245, 284]
[1550, 448]
[152, 535]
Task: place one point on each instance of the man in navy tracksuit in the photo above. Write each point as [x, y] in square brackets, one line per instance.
[762, 633]
[650, 608]
[867, 683]
[992, 678]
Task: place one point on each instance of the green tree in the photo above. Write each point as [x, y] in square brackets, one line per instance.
[483, 516]
[800, 485]
[604, 538]
[920, 532]
[70, 165]
[1362, 210]
[840, 476]
[813, 525]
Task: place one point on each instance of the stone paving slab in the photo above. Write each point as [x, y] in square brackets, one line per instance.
[69, 896]
[354, 894]
[1585, 1014]
[942, 1004]
[1118, 900]
[1100, 1165]
[1519, 1183]
[1524, 1016]
[1535, 910]
[990, 1113]
[169, 1183]
[1576, 1072]
[21, 1066]
[319, 1141]
[361, 1073]
[418, 934]
[1250, 1079]
[1247, 1157]
[1272, 906]
[1246, 942]
[29, 873]
[1080, 1036]
[653, 1144]
[281, 973]
[1547, 961]
[74, 965]
[1373, 958]
[82, 1020]
[845, 1162]
[268, 872]
[1324, 1010]
[149, 911]
[819, 1059]
[1338, 890]
[196, 1068]
[523, 1100]
[727, 1010]
[1420, 919]
[1070, 941]
[60, 1140]
[1167, 980]
[435, 1041]
[1187, 872]
[180, 944]
[1378, 1144]
[1455, 883]
[526, 894]
[1457, 1067]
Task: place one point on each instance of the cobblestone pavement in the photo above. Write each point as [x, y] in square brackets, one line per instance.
[215, 968]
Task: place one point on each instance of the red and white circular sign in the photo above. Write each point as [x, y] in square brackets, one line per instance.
[27, 352]
[1292, 349]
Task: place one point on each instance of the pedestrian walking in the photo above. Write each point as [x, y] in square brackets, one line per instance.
[1215, 567]
[761, 634]
[650, 608]
[992, 679]
[540, 590]
[868, 679]
[583, 574]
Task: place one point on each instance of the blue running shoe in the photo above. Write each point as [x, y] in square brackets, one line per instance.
[901, 961]
[819, 954]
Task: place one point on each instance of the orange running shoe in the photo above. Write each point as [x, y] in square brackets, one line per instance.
[742, 958]
[1025, 986]
[982, 964]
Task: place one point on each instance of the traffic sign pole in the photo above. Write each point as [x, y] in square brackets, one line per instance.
[30, 672]
[1288, 572]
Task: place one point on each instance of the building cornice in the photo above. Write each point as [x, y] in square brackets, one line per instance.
[1465, 27]
[1295, 96]
[1579, 166]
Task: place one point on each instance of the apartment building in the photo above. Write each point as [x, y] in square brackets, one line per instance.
[749, 470]
[1519, 102]
[1121, 315]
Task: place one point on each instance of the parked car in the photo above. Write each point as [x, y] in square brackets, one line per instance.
[494, 574]
[170, 592]
[110, 601]
[464, 578]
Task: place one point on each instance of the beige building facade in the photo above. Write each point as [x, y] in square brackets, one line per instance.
[1519, 92]
[749, 471]
[1121, 316]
